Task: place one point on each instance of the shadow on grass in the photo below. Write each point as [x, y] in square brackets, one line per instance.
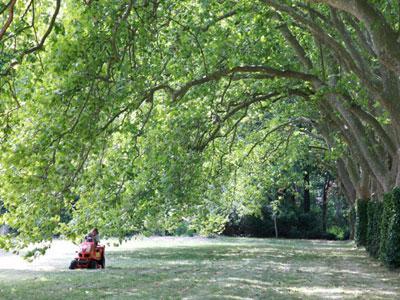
[225, 269]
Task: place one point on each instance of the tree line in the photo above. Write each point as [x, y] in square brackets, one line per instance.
[151, 109]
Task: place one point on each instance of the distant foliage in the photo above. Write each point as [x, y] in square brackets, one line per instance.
[292, 223]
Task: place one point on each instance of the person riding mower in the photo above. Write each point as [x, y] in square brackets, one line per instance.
[90, 254]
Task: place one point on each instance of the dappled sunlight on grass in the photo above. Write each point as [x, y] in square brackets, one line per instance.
[198, 268]
[340, 293]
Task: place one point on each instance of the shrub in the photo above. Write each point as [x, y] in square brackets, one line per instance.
[336, 232]
[361, 222]
[287, 224]
[385, 220]
[391, 249]
[183, 229]
[309, 224]
[251, 225]
[232, 226]
[374, 213]
[292, 222]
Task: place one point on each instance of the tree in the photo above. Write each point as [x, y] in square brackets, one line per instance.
[151, 109]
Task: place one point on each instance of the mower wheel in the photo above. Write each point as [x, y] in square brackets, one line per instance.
[73, 264]
[92, 264]
[102, 263]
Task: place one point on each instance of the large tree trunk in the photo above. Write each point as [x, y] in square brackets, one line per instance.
[385, 38]
[346, 182]
[374, 150]
[325, 202]
[275, 226]
[364, 144]
[352, 223]
[306, 200]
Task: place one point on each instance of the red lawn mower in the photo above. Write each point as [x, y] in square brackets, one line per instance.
[89, 256]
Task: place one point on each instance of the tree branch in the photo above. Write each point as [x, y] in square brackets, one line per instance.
[218, 19]
[264, 70]
[9, 19]
[48, 31]
[292, 40]
[370, 119]
[384, 36]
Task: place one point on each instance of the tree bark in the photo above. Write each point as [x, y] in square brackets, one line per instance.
[384, 37]
[361, 139]
[275, 227]
[325, 202]
[344, 178]
[306, 200]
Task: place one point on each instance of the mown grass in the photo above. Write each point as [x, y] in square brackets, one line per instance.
[224, 268]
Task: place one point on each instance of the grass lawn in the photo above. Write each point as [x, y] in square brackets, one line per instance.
[196, 268]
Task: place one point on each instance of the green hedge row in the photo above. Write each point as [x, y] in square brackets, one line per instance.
[390, 253]
[374, 213]
[361, 222]
[378, 228]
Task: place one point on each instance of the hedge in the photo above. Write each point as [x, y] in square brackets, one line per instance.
[374, 212]
[385, 220]
[361, 222]
[378, 228]
[390, 253]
